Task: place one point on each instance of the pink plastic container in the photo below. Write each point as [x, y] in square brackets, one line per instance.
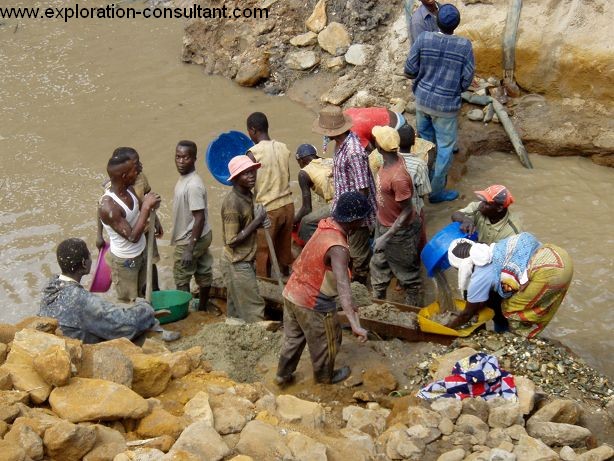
[101, 281]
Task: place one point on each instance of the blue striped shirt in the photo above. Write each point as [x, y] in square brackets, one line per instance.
[443, 67]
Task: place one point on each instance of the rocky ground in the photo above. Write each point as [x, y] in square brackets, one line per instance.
[351, 53]
[63, 400]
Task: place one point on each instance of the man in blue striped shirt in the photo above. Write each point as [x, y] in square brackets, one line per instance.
[442, 65]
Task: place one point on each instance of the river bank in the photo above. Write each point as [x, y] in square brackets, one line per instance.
[352, 53]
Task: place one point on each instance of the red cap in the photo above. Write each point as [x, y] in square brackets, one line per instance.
[496, 194]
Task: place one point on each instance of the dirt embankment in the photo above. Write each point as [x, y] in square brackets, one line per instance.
[564, 64]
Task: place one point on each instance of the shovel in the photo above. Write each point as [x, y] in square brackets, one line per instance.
[274, 262]
[151, 232]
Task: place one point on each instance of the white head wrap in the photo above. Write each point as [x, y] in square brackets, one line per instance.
[480, 254]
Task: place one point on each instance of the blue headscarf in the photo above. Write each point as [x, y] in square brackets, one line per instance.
[512, 255]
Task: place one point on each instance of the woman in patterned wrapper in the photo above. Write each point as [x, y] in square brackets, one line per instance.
[530, 278]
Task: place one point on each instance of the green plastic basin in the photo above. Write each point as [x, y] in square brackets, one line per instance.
[176, 301]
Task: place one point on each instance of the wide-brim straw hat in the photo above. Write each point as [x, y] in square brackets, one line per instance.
[331, 121]
[239, 164]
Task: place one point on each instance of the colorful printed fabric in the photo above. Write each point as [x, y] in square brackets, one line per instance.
[476, 376]
[511, 257]
[529, 310]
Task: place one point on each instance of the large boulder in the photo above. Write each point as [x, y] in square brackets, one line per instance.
[230, 413]
[28, 439]
[334, 39]
[25, 378]
[160, 422]
[263, 441]
[472, 425]
[253, 69]
[179, 362]
[379, 379]
[399, 445]
[295, 410]
[302, 60]
[199, 409]
[558, 411]
[12, 451]
[526, 393]
[449, 408]
[558, 434]
[317, 20]
[69, 442]
[372, 422]
[53, 365]
[200, 440]
[150, 375]
[602, 453]
[535, 450]
[111, 364]
[358, 54]
[306, 39]
[424, 416]
[505, 415]
[94, 399]
[36, 342]
[109, 443]
[305, 448]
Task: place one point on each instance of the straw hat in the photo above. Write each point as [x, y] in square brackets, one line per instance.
[331, 121]
[239, 164]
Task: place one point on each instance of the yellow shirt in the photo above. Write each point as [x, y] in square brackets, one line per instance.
[273, 178]
[320, 171]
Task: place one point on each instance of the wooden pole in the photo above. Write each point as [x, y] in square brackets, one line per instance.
[274, 262]
[151, 235]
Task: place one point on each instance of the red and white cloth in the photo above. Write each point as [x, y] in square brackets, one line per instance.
[476, 376]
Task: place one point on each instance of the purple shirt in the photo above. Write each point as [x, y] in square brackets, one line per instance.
[351, 172]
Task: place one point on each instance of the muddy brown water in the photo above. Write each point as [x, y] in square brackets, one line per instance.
[71, 93]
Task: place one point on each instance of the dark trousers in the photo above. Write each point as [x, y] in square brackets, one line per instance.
[320, 331]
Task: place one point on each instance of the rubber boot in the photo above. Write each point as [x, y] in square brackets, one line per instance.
[203, 304]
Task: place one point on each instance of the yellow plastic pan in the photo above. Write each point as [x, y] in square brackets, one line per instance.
[429, 326]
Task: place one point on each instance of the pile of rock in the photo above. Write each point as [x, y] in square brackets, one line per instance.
[114, 401]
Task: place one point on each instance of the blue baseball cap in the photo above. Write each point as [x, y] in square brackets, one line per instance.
[448, 16]
[305, 150]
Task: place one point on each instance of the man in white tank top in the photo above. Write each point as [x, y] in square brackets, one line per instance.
[125, 224]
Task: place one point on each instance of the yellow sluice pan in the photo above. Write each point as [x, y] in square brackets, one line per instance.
[430, 326]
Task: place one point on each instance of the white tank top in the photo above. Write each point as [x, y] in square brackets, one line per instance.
[121, 247]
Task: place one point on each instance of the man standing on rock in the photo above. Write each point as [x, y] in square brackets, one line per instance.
[397, 231]
[320, 274]
[125, 225]
[442, 66]
[316, 175]
[351, 173]
[191, 227]
[273, 192]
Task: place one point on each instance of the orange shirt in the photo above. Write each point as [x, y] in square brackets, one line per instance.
[312, 284]
[394, 186]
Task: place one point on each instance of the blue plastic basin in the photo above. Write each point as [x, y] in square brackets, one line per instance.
[222, 149]
[435, 253]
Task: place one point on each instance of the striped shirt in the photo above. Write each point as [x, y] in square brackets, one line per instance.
[443, 67]
[419, 172]
[351, 173]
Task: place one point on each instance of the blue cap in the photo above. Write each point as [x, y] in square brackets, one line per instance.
[448, 16]
[305, 150]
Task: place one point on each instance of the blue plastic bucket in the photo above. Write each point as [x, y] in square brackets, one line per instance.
[435, 253]
[222, 149]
